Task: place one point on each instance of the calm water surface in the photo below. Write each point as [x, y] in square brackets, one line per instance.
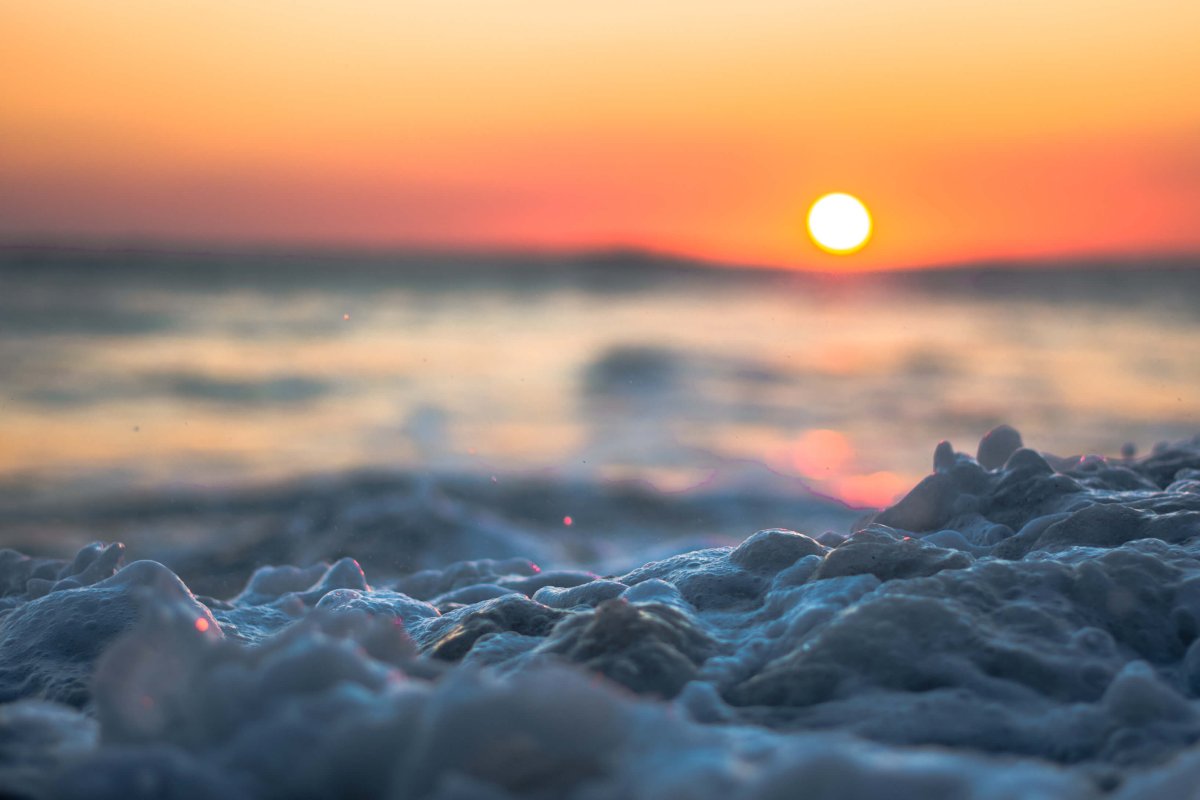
[115, 380]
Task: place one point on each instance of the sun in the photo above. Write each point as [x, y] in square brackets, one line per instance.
[839, 223]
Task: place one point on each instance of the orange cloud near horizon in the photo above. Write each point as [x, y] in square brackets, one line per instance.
[701, 127]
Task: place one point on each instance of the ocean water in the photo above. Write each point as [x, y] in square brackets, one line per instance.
[124, 370]
[472, 527]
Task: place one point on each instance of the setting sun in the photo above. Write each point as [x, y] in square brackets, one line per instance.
[839, 223]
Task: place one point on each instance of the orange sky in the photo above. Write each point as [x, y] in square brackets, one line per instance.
[971, 130]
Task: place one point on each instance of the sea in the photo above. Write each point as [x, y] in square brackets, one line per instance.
[137, 368]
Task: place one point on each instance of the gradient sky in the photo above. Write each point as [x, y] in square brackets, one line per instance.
[972, 130]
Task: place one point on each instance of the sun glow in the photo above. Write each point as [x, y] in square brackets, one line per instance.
[839, 223]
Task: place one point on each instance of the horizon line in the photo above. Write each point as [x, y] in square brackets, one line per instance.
[139, 245]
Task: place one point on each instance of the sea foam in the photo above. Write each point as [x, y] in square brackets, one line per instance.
[1017, 626]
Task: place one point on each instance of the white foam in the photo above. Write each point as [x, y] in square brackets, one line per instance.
[1024, 627]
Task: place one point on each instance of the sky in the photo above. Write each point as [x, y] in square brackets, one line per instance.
[971, 130]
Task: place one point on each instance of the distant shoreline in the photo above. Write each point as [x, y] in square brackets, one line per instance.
[1167, 280]
[616, 257]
